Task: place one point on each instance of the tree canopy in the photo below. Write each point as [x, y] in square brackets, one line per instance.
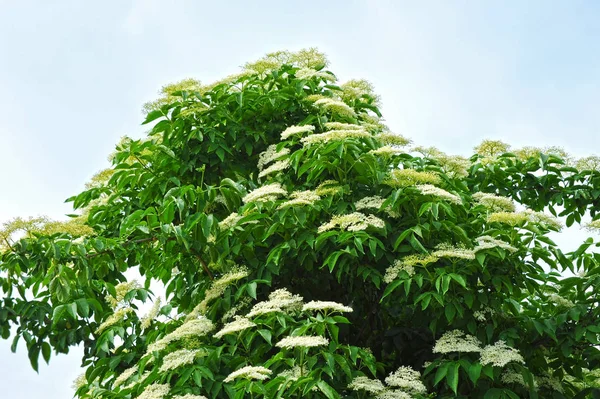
[306, 251]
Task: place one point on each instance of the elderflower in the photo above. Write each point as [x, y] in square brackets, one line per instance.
[189, 396]
[79, 382]
[271, 154]
[302, 341]
[146, 320]
[334, 135]
[549, 382]
[593, 225]
[280, 301]
[494, 203]
[392, 139]
[386, 151]
[155, 391]
[250, 373]
[480, 315]
[500, 354]
[180, 358]
[409, 177]
[373, 202]
[393, 394]
[329, 187]
[230, 221]
[217, 288]
[121, 290]
[300, 198]
[517, 218]
[392, 272]
[407, 379]
[292, 374]
[270, 192]
[113, 319]
[239, 324]
[336, 107]
[512, 377]
[326, 305]
[428, 189]
[189, 329]
[294, 130]
[456, 341]
[487, 242]
[276, 167]
[363, 383]
[308, 73]
[355, 221]
[559, 301]
[125, 375]
[342, 126]
[449, 251]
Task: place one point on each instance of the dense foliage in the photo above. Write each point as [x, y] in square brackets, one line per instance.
[306, 251]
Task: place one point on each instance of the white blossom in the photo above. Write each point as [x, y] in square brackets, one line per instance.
[494, 202]
[300, 198]
[280, 301]
[189, 329]
[113, 319]
[180, 358]
[230, 221]
[342, 126]
[239, 324]
[363, 383]
[125, 375]
[276, 167]
[392, 272]
[355, 221]
[270, 192]
[334, 135]
[307, 73]
[189, 396]
[449, 251]
[407, 379]
[151, 315]
[303, 341]
[457, 341]
[294, 130]
[249, 373]
[560, 301]
[500, 354]
[429, 189]
[155, 391]
[326, 305]
[271, 154]
[487, 242]
[336, 107]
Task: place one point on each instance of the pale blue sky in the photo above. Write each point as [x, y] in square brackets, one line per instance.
[74, 74]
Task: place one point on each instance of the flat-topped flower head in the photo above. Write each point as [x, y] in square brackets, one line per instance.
[342, 126]
[309, 73]
[189, 329]
[274, 168]
[336, 107]
[560, 301]
[457, 341]
[386, 151]
[494, 203]
[326, 305]
[300, 198]
[271, 154]
[399, 178]
[125, 375]
[189, 396]
[249, 373]
[366, 384]
[113, 319]
[179, 358]
[239, 324]
[334, 135]
[355, 221]
[302, 341]
[392, 139]
[280, 301]
[155, 391]
[230, 221]
[392, 272]
[407, 379]
[393, 394]
[488, 242]
[267, 193]
[500, 354]
[429, 189]
[151, 315]
[296, 130]
[450, 251]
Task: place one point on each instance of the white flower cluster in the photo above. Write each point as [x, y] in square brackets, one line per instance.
[155, 391]
[294, 130]
[217, 288]
[342, 126]
[239, 324]
[386, 151]
[512, 377]
[180, 358]
[336, 107]
[326, 305]
[267, 193]
[407, 379]
[300, 198]
[189, 329]
[457, 341]
[113, 319]
[449, 251]
[276, 167]
[516, 218]
[329, 187]
[429, 189]
[494, 203]
[151, 315]
[125, 375]
[334, 135]
[189, 396]
[302, 341]
[121, 290]
[355, 221]
[249, 373]
[559, 301]
[487, 242]
[594, 225]
[292, 374]
[409, 177]
[308, 73]
[500, 354]
[280, 301]
[373, 202]
[402, 383]
[230, 221]
[550, 383]
[480, 315]
[392, 139]
[271, 154]
[392, 272]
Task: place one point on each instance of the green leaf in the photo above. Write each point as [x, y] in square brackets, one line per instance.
[327, 390]
[452, 377]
